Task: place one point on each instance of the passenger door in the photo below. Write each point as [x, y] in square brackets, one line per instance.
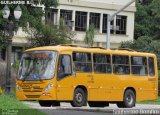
[65, 78]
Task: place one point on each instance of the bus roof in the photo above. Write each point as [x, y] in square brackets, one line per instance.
[61, 48]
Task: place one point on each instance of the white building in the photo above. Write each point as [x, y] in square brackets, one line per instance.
[81, 13]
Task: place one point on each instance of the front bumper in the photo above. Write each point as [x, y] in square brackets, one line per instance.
[35, 90]
[50, 95]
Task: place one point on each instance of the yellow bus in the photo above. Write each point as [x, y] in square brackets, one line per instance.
[69, 73]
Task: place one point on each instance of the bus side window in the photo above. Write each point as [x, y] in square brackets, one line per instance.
[82, 62]
[64, 66]
[151, 66]
[121, 64]
[102, 63]
[139, 65]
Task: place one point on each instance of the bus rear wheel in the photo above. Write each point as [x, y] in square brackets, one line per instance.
[98, 104]
[45, 103]
[79, 98]
[129, 99]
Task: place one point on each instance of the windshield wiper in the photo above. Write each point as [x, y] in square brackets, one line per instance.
[26, 75]
[39, 78]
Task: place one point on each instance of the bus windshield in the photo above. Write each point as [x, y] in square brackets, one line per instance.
[37, 65]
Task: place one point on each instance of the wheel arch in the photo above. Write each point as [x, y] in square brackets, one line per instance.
[131, 88]
[83, 88]
[85, 92]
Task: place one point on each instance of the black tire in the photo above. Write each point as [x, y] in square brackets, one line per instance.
[98, 104]
[79, 98]
[129, 100]
[120, 104]
[45, 103]
[55, 103]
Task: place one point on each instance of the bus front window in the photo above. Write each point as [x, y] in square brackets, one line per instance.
[37, 65]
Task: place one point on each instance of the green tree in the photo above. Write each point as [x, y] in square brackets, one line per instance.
[90, 34]
[156, 19]
[51, 35]
[2, 40]
[31, 15]
[143, 18]
[147, 19]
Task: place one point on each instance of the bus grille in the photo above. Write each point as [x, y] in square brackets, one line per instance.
[32, 89]
[32, 96]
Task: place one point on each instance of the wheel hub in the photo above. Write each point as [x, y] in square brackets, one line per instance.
[129, 99]
[79, 97]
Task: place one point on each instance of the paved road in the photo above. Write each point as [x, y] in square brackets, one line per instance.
[67, 109]
[72, 112]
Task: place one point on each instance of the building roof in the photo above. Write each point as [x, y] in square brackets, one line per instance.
[107, 5]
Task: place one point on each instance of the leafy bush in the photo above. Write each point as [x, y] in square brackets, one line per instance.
[159, 87]
[1, 91]
[16, 66]
[90, 34]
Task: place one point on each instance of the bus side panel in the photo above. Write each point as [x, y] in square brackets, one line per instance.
[119, 83]
[65, 89]
[87, 80]
[99, 88]
[144, 88]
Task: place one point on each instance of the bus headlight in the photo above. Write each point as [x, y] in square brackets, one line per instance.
[18, 87]
[49, 86]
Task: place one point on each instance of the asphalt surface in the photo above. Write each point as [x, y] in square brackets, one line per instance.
[72, 112]
[67, 109]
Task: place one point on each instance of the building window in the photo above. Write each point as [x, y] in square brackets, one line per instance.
[67, 16]
[104, 23]
[82, 62]
[104, 30]
[121, 64]
[51, 17]
[121, 22]
[112, 27]
[81, 21]
[95, 19]
[139, 65]
[102, 63]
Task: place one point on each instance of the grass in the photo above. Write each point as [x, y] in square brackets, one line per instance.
[12, 106]
[157, 102]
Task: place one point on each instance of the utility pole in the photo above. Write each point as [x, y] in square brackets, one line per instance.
[110, 18]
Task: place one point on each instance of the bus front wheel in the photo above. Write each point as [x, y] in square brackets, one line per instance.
[79, 98]
[129, 99]
[45, 103]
